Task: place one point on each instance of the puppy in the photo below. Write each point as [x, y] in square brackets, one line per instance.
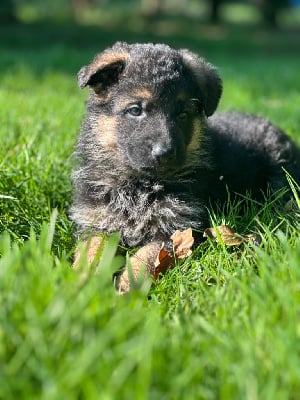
[151, 155]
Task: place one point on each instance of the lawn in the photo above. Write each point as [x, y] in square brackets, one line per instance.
[224, 324]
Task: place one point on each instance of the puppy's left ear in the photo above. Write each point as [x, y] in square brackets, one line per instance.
[207, 78]
[104, 71]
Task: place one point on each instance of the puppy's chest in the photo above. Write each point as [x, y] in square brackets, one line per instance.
[140, 197]
[137, 197]
[158, 207]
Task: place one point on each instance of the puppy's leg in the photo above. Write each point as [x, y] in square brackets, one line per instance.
[90, 248]
[143, 260]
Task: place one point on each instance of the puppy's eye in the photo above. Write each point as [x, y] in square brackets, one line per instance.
[135, 110]
[183, 115]
[197, 105]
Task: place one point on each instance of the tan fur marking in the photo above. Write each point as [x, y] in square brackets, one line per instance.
[136, 95]
[108, 58]
[198, 127]
[181, 96]
[106, 128]
[142, 93]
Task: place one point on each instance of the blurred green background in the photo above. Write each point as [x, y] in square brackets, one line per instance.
[77, 29]
[272, 12]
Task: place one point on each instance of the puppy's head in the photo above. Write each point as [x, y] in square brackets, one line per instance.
[148, 104]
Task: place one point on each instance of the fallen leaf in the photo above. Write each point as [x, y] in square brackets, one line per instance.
[163, 262]
[182, 243]
[225, 233]
[229, 237]
[254, 238]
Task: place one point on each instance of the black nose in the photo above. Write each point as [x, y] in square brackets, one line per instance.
[161, 152]
[158, 151]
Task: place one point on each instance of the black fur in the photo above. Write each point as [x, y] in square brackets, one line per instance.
[155, 160]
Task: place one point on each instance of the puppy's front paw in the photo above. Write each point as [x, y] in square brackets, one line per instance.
[142, 265]
[88, 251]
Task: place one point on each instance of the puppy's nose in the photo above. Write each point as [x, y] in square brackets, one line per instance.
[158, 151]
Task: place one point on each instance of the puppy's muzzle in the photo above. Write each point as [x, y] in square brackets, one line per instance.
[163, 154]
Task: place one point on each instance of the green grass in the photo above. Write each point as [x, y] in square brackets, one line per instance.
[224, 324]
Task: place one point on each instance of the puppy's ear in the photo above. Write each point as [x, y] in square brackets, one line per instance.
[207, 78]
[104, 71]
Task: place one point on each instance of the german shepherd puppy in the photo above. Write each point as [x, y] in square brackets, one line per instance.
[151, 157]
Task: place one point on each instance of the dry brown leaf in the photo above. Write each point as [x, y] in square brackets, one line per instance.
[163, 262]
[182, 243]
[225, 233]
[254, 238]
[229, 237]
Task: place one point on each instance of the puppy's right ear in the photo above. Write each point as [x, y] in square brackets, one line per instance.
[207, 78]
[104, 71]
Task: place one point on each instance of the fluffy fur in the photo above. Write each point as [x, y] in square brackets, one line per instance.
[151, 156]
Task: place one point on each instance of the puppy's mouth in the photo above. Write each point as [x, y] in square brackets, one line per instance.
[161, 168]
